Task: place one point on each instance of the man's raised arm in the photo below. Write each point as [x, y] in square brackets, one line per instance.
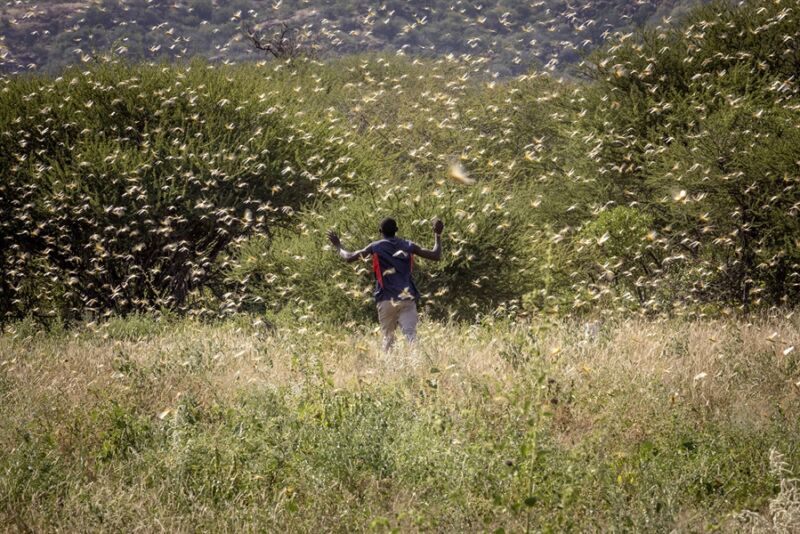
[435, 253]
[349, 257]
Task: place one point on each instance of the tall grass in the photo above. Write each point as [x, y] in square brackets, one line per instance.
[183, 425]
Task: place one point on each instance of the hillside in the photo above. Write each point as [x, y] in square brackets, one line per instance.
[511, 36]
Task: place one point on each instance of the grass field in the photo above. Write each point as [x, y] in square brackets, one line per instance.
[650, 426]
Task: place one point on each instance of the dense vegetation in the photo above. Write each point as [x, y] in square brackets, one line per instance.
[609, 342]
[510, 35]
[666, 185]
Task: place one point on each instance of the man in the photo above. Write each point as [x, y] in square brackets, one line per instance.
[392, 264]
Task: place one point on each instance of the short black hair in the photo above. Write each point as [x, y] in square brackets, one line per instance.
[388, 227]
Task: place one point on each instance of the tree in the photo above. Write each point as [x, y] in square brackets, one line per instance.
[283, 42]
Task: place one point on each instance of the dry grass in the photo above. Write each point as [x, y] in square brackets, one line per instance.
[637, 385]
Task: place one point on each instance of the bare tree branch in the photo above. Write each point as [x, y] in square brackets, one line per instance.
[284, 43]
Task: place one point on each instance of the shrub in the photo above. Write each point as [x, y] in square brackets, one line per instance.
[121, 186]
[481, 267]
[697, 124]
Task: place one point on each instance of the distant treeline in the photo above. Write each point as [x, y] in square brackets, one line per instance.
[511, 36]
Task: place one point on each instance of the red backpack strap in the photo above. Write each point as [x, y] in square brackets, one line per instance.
[376, 267]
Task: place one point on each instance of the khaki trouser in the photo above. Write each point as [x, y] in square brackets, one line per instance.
[392, 312]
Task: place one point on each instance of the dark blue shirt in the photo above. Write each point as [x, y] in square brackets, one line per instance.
[392, 264]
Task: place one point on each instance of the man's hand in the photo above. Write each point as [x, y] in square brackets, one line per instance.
[434, 254]
[334, 237]
[345, 255]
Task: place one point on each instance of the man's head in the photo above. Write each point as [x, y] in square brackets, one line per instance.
[388, 227]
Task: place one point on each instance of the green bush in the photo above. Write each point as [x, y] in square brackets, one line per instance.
[481, 267]
[615, 252]
[122, 186]
[697, 127]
